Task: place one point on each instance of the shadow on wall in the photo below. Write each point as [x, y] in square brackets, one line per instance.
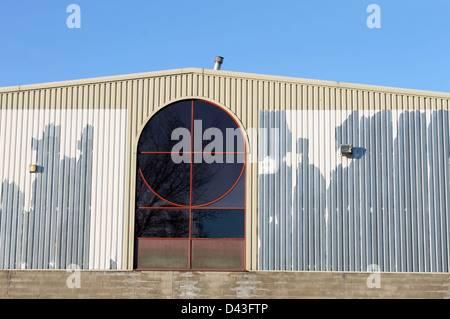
[388, 205]
[358, 152]
[52, 229]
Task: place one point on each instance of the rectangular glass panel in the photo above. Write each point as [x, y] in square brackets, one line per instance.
[162, 223]
[162, 253]
[166, 177]
[235, 198]
[211, 119]
[212, 181]
[157, 134]
[218, 254]
[218, 223]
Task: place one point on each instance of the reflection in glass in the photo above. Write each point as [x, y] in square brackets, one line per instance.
[235, 198]
[162, 253]
[162, 223]
[171, 230]
[218, 254]
[156, 135]
[145, 197]
[212, 181]
[167, 179]
[218, 223]
[209, 119]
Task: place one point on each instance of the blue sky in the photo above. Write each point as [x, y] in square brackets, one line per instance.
[320, 39]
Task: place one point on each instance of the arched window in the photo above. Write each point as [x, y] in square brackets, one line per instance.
[190, 190]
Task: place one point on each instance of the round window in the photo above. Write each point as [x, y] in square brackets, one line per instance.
[190, 187]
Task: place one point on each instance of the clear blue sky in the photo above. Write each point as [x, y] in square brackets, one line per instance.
[320, 39]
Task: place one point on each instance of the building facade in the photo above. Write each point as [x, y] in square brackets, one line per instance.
[137, 172]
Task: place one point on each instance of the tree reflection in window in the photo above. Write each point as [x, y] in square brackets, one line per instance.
[185, 209]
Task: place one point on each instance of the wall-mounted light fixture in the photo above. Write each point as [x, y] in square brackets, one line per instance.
[32, 168]
[346, 150]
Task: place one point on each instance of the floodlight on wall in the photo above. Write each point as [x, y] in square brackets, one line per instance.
[218, 62]
[32, 168]
[346, 150]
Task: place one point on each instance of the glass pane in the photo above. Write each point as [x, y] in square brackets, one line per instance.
[162, 223]
[157, 134]
[169, 180]
[163, 182]
[214, 126]
[145, 197]
[218, 223]
[162, 253]
[212, 181]
[235, 198]
[218, 254]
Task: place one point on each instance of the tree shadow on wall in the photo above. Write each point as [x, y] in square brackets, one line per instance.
[52, 229]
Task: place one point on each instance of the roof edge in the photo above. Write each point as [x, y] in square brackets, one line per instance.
[94, 80]
[337, 84]
[243, 75]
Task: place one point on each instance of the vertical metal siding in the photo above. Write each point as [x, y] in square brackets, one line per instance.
[318, 211]
[51, 219]
[349, 213]
[56, 233]
[387, 205]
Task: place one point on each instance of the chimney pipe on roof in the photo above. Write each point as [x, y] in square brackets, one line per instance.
[218, 62]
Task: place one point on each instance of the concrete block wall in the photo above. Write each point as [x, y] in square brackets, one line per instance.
[63, 284]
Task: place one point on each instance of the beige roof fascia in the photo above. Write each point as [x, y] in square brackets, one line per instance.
[223, 73]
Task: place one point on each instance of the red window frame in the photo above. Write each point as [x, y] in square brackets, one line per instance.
[190, 207]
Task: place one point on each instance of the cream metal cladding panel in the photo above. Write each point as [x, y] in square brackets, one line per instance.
[69, 213]
[61, 235]
[384, 208]
[387, 205]
[342, 212]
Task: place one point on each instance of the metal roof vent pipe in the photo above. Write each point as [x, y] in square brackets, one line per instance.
[218, 62]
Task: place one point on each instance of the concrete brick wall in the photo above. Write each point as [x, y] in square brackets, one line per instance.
[252, 284]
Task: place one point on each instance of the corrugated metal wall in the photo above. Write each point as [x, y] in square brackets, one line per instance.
[110, 234]
[310, 209]
[71, 210]
[387, 205]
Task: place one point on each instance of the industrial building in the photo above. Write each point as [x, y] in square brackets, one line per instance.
[136, 172]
